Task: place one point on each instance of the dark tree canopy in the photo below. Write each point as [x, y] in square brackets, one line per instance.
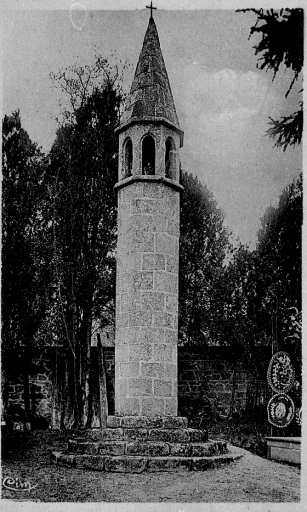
[282, 43]
[203, 247]
[25, 252]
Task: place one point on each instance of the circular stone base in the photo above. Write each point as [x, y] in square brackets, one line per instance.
[133, 444]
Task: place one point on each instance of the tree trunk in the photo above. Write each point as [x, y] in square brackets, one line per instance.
[26, 394]
[103, 398]
[56, 394]
[234, 389]
[4, 393]
[87, 410]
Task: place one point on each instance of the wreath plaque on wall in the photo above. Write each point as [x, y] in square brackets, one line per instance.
[281, 373]
[281, 410]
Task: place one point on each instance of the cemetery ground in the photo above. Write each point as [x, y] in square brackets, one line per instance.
[26, 457]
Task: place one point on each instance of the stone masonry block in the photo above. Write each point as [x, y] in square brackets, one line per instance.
[135, 434]
[164, 464]
[173, 227]
[174, 422]
[124, 283]
[129, 193]
[140, 387]
[117, 368]
[169, 435]
[143, 280]
[171, 337]
[140, 352]
[166, 282]
[176, 322]
[163, 388]
[118, 303]
[147, 205]
[153, 262]
[171, 371]
[150, 223]
[157, 223]
[130, 369]
[122, 387]
[197, 436]
[113, 421]
[126, 464]
[130, 302]
[129, 406]
[122, 247]
[152, 370]
[171, 303]
[119, 227]
[152, 406]
[163, 353]
[180, 450]
[141, 241]
[172, 264]
[112, 448]
[128, 336]
[165, 244]
[122, 319]
[151, 335]
[88, 447]
[139, 318]
[122, 353]
[149, 449]
[163, 320]
[107, 434]
[134, 422]
[153, 301]
[129, 263]
[93, 462]
[154, 190]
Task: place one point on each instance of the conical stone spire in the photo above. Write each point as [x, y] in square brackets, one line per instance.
[151, 97]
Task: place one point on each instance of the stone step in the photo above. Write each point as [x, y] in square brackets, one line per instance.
[147, 448]
[138, 464]
[167, 435]
[171, 422]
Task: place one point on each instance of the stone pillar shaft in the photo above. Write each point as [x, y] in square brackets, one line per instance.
[147, 299]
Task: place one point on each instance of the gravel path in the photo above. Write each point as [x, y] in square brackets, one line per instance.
[250, 479]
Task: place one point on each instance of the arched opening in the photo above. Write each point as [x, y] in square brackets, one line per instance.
[148, 155]
[170, 170]
[128, 158]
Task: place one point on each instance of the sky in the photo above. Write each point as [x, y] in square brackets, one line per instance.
[222, 100]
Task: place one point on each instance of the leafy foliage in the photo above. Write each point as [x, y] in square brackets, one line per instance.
[288, 130]
[25, 232]
[260, 286]
[84, 169]
[282, 42]
[203, 246]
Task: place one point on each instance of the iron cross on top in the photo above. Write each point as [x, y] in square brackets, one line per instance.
[151, 8]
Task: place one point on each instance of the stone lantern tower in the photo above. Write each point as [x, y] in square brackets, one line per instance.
[146, 433]
[148, 193]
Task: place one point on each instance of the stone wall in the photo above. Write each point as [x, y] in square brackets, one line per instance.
[205, 383]
[40, 396]
[210, 381]
[41, 390]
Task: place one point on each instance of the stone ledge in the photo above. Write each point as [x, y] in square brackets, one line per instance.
[137, 464]
[167, 435]
[147, 178]
[146, 448]
[284, 449]
[168, 422]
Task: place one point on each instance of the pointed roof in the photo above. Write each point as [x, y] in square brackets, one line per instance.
[150, 96]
